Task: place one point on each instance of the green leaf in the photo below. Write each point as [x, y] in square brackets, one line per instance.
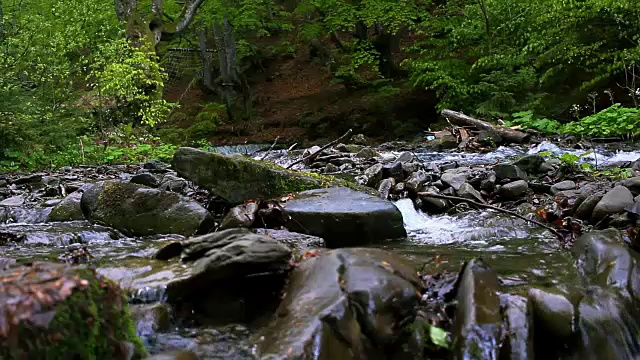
[438, 336]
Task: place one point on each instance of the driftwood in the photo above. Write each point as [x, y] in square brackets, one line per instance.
[315, 154]
[271, 148]
[487, 206]
[461, 119]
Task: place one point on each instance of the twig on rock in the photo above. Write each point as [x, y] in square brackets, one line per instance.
[315, 154]
[487, 206]
[271, 148]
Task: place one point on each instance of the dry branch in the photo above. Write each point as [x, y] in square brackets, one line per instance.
[315, 154]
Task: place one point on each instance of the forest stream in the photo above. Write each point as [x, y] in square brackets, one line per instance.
[522, 254]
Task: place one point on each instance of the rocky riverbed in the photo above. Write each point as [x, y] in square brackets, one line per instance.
[360, 252]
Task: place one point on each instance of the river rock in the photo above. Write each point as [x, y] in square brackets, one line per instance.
[562, 186]
[28, 179]
[614, 201]
[68, 209]
[518, 322]
[366, 153]
[63, 310]
[385, 187]
[293, 240]
[151, 319]
[585, 209]
[58, 234]
[373, 175]
[344, 217]
[633, 184]
[510, 172]
[393, 170]
[433, 205]
[138, 210]
[238, 178]
[240, 216]
[455, 177]
[174, 355]
[604, 260]
[530, 163]
[468, 192]
[231, 273]
[416, 181]
[145, 179]
[514, 190]
[360, 139]
[553, 313]
[477, 321]
[343, 304]
[405, 157]
[13, 201]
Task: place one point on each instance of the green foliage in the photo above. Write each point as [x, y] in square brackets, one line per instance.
[496, 57]
[526, 120]
[615, 120]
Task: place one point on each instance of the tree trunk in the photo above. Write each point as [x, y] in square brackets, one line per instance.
[510, 135]
[206, 63]
[226, 45]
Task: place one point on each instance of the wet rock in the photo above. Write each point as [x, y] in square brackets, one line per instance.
[145, 179]
[607, 326]
[343, 304]
[60, 234]
[455, 177]
[488, 137]
[489, 183]
[613, 202]
[433, 205]
[416, 181]
[444, 143]
[295, 241]
[137, 210]
[477, 321]
[633, 184]
[385, 187]
[51, 203]
[68, 209]
[510, 172]
[344, 217]
[64, 309]
[514, 190]
[530, 163]
[468, 192]
[342, 148]
[399, 188]
[604, 260]
[393, 170]
[308, 152]
[236, 178]
[29, 179]
[240, 216]
[406, 157]
[360, 139]
[366, 153]
[174, 355]
[229, 255]
[585, 209]
[518, 322]
[563, 186]
[547, 167]
[13, 201]
[553, 313]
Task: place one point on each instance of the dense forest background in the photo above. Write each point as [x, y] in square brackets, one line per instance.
[89, 81]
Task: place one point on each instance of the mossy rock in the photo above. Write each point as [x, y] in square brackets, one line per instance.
[68, 209]
[239, 178]
[54, 311]
[138, 210]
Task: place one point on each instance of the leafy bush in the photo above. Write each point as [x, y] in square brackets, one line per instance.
[615, 120]
[526, 120]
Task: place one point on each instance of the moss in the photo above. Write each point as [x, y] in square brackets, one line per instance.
[92, 323]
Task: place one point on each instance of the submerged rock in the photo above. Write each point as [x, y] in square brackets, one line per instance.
[138, 210]
[54, 311]
[238, 178]
[343, 304]
[344, 217]
[477, 322]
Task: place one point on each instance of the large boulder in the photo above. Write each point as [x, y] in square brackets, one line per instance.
[233, 274]
[52, 311]
[238, 178]
[138, 210]
[344, 217]
[343, 304]
[68, 209]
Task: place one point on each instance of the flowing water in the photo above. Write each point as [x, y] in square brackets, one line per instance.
[521, 253]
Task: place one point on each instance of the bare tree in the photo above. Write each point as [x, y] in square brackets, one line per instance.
[150, 30]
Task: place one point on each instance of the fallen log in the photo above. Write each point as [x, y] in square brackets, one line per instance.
[461, 119]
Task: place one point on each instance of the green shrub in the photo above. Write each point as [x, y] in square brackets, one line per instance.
[613, 121]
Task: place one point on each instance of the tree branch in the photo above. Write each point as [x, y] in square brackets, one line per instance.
[188, 13]
[487, 206]
[315, 154]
